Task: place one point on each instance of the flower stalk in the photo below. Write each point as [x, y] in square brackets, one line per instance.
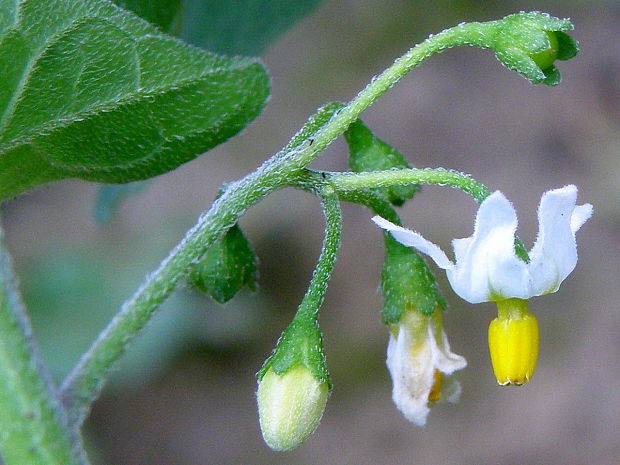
[294, 383]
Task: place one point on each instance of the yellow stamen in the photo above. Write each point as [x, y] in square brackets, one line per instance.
[513, 342]
[435, 393]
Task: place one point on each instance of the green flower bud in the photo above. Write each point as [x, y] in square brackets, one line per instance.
[228, 266]
[293, 385]
[530, 43]
[290, 406]
[369, 153]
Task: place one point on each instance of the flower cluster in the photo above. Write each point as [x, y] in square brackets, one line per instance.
[488, 268]
[491, 265]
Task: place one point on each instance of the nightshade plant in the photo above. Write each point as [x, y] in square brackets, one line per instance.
[92, 91]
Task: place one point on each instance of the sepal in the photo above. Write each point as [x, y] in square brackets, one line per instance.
[369, 153]
[407, 282]
[300, 343]
[228, 266]
[529, 43]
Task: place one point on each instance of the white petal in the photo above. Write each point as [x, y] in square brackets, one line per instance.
[581, 214]
[554, 254]
[413, 239]
[487, 267]
[443, 359]
[412, 373]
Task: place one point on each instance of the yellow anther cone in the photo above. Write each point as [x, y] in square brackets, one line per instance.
[513, 342]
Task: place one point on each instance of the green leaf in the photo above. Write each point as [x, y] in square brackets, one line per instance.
[229, 265]
[407, 283]
[369, 153]
[93, 92]
[163, 13]
[240, 27]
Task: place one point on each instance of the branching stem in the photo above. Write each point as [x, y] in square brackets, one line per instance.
[286, 168]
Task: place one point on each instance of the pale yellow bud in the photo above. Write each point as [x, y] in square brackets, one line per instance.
[290, 406]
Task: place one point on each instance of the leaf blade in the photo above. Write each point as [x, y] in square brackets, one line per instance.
[103, 96]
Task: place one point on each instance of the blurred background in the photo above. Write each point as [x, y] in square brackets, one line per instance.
[184, 394]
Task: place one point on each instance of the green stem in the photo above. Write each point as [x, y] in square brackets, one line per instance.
[347, 182]
[84, 383]
[312, 301]
[33, 428]
[475, 34]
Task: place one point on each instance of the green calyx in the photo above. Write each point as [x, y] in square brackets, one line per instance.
[228, 266]
[369, 153]
[407, 283]
[530, 43]
[547, 57]
[301, 343]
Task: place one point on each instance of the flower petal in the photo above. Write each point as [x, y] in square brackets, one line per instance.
[443, 359]
[487, 267]
[413, 239]
[581, 214]
[554, 254]
[412, 373]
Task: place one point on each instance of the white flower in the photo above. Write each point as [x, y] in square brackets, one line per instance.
[487, 267]
[419, 348]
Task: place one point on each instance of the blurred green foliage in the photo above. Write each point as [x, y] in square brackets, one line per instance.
[240, 27]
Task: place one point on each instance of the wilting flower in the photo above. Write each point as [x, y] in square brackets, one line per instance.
[418, 357]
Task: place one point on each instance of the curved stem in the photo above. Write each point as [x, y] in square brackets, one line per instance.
[84, 383]
[475, 34]
[347, 182]
[311, 303]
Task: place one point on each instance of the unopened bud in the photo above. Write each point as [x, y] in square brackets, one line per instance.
[547, 57]
[530, 43]
[290, 406]
[513, 342]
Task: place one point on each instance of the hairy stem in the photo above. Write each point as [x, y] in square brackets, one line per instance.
[347, 182]
[33, 428]
[313, 299]
[84, 383]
